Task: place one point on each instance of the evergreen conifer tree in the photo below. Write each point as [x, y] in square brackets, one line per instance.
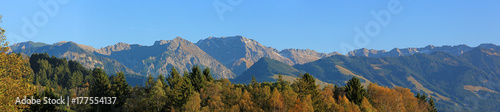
[355, 91]
[208, 76]
[100, 87]
[432, 107]
[120, 89]
[307, 86]
[197, 78]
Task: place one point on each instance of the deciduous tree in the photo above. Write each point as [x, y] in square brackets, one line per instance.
[157, 97]
[193, 104]
[276, 101]
[246, 103]
[15, 77]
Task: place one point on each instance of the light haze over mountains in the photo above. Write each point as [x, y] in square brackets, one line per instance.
[459, 77]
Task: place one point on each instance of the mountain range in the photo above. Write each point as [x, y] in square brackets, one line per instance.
[460, 78]
[453, 50]
[227, 57]
[467, 82]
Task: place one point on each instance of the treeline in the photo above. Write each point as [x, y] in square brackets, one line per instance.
[58, 73]
[196, 90]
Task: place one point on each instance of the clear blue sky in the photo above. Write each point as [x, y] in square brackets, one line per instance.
[317, 25]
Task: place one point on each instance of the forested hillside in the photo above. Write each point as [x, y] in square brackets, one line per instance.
[464, 82]
[468, 82]
[197, 90]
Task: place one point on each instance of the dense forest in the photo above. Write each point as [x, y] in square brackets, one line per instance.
[47, 76]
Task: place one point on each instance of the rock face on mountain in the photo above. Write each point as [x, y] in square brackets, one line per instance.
[366, 52]
[115, 48]
[72, 51]
[453, 50]
[133, 59]
[301, 56]
[239, 53]
[163, 55]
[226, 56]
[24, 45]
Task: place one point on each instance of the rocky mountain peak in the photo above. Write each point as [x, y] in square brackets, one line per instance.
[301, 56]
[245, 40]
[486, 45]
[179, 39]
[160, 42]
[490, 46]
[400, 52]
[114, 48]
[62, 42]
[429, 47]
[227, 40]
[121, 44]
[25, 45]
[365, 52]
[454, 50]
[175, 40]
[237, 52]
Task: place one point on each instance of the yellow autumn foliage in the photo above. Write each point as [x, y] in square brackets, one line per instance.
[14, 78]
[397, 99]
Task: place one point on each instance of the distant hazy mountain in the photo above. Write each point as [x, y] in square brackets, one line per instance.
[469, 82]
[239, 53]
[301, 56]
[490, 46]
[265, 69]
[453, 50]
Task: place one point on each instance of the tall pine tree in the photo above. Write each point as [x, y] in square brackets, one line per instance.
[208, 76]
[307, 86]
[197, 78]
[354, 91]
[150, 82]
[162, 79]
[120, 89]
[432, 107]
[180, 87]
[100, 87]
[173, 78]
